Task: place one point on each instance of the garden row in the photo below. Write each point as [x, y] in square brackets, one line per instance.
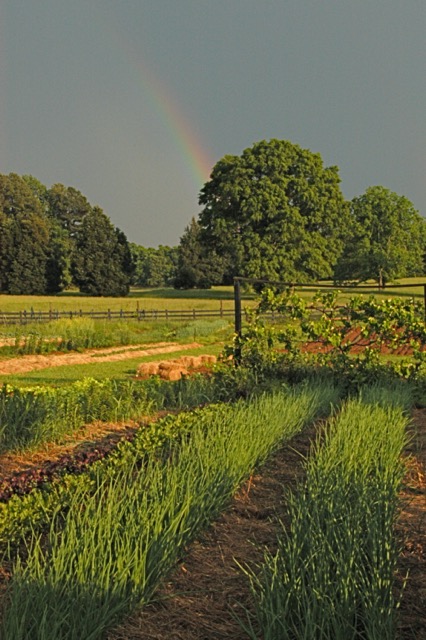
[87, 548]
[333, 573]
[116, 530]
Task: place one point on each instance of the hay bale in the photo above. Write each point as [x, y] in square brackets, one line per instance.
[176, 374]
[147, 369]
[166, 365]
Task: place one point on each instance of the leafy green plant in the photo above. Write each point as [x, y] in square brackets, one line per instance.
[31, 416]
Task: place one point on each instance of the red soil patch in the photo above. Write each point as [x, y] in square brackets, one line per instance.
[359, 344]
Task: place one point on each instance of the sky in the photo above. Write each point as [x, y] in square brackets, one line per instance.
[133, 101]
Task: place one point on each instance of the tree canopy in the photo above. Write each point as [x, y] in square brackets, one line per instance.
[102, 262]
[274, 212]
[154, 267]
[197, 266]
[42, 248]
[25, 237]
[386, 238]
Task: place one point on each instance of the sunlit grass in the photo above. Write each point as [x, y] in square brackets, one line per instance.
[119, 369]
[138, 299]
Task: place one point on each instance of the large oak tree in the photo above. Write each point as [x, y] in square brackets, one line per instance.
[274, 212]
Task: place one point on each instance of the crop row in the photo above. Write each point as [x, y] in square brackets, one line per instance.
[128, 521]
[31, 416]
[332, 575]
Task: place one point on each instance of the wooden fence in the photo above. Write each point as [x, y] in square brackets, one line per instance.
[139, 315]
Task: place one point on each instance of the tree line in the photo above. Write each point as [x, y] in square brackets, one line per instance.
[53, 238]
[274, 212]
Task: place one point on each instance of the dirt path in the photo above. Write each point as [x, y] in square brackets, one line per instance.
[24, 364]
[198, 600]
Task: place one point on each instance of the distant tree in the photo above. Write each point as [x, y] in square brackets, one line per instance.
[61, 250]
[274, 212]
[154, 267]
[16, 196]
[102, 263]
[197, 266]
[29, 247]
[24, 238]
[386, 239]
[68, 206]
[5, 249]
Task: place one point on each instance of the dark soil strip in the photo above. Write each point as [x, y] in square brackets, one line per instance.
[198, 600]
[411, 532]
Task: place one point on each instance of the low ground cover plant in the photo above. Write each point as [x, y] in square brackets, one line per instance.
[120, 536]
[332, 574]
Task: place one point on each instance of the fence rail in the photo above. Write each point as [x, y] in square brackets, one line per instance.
[175, 315]
[139, 315]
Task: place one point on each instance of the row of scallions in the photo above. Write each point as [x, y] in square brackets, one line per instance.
[332, 573]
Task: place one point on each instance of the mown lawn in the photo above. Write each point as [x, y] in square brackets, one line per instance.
[148, 299]
[99, 370]
[216, 298]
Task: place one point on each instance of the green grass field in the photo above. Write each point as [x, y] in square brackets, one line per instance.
[148, 299]
[172, 299]
[123, 369]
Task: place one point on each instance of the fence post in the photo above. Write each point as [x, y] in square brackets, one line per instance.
[237, 311]
[424, 297]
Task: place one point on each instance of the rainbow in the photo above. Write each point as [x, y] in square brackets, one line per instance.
[196, 159]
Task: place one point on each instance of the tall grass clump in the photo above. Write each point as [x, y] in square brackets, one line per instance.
[76, 334]
[332, 573]
[116, 544]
